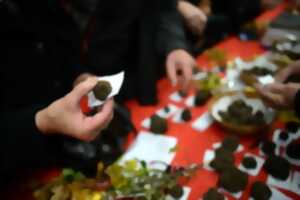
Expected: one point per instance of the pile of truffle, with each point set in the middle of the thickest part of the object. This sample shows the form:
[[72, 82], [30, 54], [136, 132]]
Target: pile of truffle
[[240, 113], [231, 178]]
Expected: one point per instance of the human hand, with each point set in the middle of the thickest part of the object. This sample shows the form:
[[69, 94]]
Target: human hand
[[292, 69], [65, 116], [195, 18], [279, 95], [179, 67]]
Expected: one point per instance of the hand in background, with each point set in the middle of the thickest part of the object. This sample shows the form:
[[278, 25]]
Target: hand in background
[[64, 116], [195, 18], [279, 95], [179, 66]]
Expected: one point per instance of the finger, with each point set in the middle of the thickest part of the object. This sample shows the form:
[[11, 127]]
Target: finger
[[187, 76], [282, 75], [276, 88], [171, 71], [99, 120], [83, 89]]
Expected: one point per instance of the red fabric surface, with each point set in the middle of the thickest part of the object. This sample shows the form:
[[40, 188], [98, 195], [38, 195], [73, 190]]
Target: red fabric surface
[[192, 144]]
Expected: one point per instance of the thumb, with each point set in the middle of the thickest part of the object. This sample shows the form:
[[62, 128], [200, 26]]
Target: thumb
[[83, 88]]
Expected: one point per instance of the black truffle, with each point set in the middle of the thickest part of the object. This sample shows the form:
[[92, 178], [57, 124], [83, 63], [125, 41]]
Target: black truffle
[[283, 136], [201, 97], [292, 127], [259, 71], [240, 113], [277, 167], [230, 143], [260, 191], [268, 148], [249, 162], [102, 90], [167, 109], [176, 192], [158, 124], [213, 194], [223, 159], [293, 150], [233, 180], [182, 93], [186, 115]]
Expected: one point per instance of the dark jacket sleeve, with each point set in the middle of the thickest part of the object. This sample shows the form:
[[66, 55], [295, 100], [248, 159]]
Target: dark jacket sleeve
[[170, 32]]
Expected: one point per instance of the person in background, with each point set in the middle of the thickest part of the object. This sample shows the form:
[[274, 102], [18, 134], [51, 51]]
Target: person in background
[[143, 38], [283, 94], [50, 49], [209, 21]]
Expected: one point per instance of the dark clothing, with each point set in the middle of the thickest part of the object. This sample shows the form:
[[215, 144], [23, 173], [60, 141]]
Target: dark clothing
[[226, 18], [42, 54]]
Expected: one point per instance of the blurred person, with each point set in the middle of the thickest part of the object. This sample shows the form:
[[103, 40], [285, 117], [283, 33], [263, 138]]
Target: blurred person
[[283, 94], [52, 48], [209, 21]]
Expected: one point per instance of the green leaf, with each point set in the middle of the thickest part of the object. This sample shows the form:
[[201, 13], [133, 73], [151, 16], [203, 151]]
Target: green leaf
[[174, 149]]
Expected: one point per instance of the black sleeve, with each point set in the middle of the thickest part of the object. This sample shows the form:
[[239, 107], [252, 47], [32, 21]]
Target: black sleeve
[[171, 33], [22, 145], [297, 104]]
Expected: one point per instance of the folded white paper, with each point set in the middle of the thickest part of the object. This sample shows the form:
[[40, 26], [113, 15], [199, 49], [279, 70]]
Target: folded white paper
[[116, 82], [253, 172], [203, 122]]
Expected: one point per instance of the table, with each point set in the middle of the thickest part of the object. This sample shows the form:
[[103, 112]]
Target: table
[[192, 144]]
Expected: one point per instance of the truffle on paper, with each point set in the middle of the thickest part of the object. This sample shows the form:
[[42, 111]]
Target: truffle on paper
[[249, 162], [260, 191], [158, 124], [233, 180], [102, 90], [268, 148], [293, 150], [277, 167], [223, 159], [186, 115]]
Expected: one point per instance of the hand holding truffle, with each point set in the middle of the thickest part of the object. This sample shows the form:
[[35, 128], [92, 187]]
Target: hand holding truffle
[[65, 116], [180, 66]]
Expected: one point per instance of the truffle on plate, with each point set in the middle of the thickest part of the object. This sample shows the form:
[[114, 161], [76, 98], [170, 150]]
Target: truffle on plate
[[277, 167], [102, 90], [158, 124], [201, 97], [260, 191], [213, 194], [240, 113], [268, 147], [233, 180], [231, 143], [249, 162], [186, 115], [293, 150]]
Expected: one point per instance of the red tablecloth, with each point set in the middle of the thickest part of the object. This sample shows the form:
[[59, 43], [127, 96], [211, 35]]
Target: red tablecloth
[[192, 144]]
